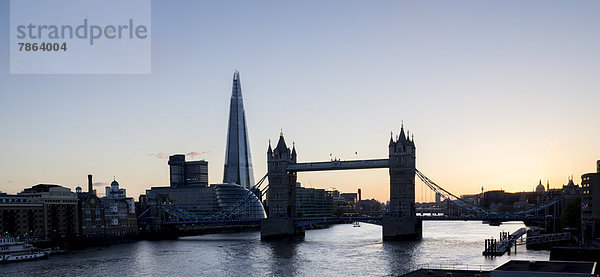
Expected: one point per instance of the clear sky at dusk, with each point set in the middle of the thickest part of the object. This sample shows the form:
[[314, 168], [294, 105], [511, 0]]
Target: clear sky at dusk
[[498, 94]]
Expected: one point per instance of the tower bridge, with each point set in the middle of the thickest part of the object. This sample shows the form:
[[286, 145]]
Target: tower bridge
[[400, 223]]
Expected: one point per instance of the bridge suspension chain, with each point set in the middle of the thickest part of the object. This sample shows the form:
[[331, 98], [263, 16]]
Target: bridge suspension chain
[[468, 206], [471, 207]]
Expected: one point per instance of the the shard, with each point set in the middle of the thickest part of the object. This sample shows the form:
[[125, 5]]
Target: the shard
[[238, 163]]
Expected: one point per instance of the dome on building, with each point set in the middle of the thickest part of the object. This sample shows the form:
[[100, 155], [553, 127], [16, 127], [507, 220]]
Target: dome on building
[[240, 202], [114, 183], [540, 188]]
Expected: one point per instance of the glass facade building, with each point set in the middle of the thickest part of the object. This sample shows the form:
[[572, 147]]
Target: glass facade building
[[228, 200], [238, 163], [187, 173], [242, 203]]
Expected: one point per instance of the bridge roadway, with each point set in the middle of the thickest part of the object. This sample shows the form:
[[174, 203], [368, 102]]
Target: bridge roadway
[[338, 165], [301, 221]]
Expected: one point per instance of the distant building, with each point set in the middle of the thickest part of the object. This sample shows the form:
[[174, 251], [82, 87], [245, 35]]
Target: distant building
[[590, 200], [197, 199], [59, 212], [344, 203], [113, 191], [187, 173], [119, 213], [471, 198], [349, 197], [201, 201], [189, 188], [540, 188], [571, 191], [311, 202], [90, 213], [590, 185], [21, 217], [500, 200], [371, 207]]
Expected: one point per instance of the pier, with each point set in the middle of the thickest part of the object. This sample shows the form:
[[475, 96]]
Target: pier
[[494, 247]]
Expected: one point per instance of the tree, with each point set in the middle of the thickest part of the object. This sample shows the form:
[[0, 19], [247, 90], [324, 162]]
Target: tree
[[571, 216]]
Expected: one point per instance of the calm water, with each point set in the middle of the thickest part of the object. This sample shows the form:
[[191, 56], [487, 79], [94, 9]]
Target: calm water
[[341, 249]]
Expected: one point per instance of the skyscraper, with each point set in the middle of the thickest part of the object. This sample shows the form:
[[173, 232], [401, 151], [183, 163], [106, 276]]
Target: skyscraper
[[238, 163], [187, 173]]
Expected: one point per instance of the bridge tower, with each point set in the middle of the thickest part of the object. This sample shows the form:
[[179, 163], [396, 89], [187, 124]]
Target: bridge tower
[[281, 204], [401, 222]]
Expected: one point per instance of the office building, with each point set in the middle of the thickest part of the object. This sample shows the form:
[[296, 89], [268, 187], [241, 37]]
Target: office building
[[590, 203], [187, 173], [238, 163], [311, 202], [197, 199], [590, 186]]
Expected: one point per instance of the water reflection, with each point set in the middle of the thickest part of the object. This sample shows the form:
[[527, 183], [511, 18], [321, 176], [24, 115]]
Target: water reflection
[[401, 255], [339, 250], [284, 256]]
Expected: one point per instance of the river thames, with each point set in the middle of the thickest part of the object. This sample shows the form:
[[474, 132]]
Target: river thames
[[338, 250]]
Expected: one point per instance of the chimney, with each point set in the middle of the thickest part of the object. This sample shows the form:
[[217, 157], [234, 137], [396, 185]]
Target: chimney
[[90, 186], [358, 203]]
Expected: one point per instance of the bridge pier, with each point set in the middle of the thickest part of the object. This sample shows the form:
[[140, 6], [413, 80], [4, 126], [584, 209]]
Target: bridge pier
[[281, 196], [279, 228], [401, 222], [402, 228]]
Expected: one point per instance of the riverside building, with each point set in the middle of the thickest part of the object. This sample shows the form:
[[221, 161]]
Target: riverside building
[[90, 213], [21, 217], [119, 213], [59, 210]]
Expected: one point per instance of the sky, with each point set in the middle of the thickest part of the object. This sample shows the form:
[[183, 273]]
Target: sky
[[498, 95]]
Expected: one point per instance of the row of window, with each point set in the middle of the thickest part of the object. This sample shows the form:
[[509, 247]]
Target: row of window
[[13, 200]]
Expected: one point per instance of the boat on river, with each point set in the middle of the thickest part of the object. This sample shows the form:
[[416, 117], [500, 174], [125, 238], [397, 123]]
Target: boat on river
[[12, 250]]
